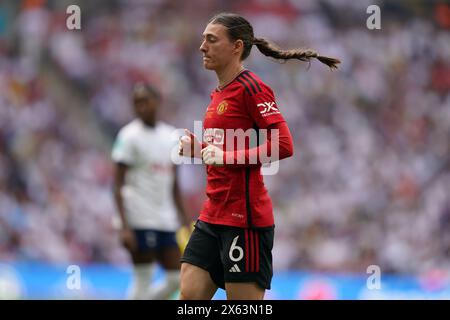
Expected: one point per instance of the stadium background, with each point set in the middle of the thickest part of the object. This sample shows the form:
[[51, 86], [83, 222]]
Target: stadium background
[[368, 185]]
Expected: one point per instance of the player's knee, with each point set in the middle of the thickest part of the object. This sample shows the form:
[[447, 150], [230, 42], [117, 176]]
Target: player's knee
[[244, 291], [188, 290]]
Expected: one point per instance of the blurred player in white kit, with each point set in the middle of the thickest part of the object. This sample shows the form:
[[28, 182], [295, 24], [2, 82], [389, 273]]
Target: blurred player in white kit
[[147, 197]]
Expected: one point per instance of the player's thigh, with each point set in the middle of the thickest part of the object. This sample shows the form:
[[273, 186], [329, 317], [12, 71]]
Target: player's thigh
[[244, 291], [196, 283], [168, 251], [146, 250], [201, 268], [143, 257], [169, 257]]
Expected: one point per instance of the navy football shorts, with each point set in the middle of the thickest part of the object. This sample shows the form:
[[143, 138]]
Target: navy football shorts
[[148, 239]]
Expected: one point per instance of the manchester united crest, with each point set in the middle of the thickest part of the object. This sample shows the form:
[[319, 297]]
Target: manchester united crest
[[222, 107]]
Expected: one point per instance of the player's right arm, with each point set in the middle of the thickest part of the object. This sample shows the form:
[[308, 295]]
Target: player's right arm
[[126, 234], [123, 155], [190, 146]]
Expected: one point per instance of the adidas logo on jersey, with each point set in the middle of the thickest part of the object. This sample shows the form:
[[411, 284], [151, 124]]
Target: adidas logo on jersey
[[235, 268]]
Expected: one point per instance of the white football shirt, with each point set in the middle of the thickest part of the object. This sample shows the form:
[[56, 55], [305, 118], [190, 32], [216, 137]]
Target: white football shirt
[[148, 189]]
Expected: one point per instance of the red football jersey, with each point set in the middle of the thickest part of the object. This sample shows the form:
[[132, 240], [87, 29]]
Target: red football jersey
[[236, 194]]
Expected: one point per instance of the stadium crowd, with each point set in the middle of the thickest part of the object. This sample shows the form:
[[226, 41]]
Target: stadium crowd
[[370, 177]]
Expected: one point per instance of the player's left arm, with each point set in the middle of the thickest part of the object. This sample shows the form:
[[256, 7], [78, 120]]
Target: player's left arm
[[265, 113], [182, 214], [278, 146]]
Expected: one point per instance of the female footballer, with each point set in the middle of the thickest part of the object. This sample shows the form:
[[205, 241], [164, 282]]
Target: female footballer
[[232, 242]]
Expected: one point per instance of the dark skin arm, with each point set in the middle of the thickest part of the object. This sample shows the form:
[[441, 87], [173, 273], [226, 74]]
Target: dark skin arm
[[126, 234], [185, 220]]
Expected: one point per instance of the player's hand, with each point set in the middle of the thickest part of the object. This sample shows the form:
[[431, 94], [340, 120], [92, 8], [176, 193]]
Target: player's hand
[[189, 145], [212, 156], [128, 239]]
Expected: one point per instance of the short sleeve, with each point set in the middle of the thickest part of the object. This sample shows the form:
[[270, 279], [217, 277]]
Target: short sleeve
[[123, 150], [263, 108]]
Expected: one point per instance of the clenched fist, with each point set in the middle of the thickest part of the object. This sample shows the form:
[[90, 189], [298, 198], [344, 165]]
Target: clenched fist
[[189, 145], [212, 155]]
